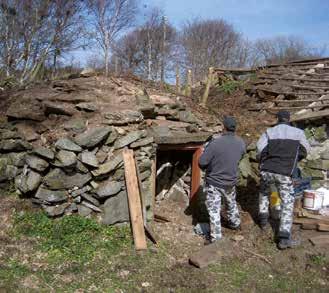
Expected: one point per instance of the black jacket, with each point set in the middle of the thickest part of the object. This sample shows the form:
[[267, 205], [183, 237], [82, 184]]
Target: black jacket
[[280, 148]]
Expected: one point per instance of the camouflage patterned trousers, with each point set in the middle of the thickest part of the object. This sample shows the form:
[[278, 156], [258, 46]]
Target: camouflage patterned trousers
[[213, 204], [286, 192]]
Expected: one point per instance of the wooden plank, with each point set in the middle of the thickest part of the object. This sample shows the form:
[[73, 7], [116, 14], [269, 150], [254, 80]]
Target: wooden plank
[[307, 226], [323, 227], [321, 240], [153, 183], [160, 218], [307, 221], [310, 116], [196, 173], [210, 254], [134, 200]]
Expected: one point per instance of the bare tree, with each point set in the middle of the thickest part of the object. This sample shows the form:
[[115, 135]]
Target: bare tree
[[32, 31], [147, 50], [207, 43], [109, 18], [282, 49]]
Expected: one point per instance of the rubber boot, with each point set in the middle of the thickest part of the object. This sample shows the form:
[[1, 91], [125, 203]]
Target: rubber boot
[[285, 243]]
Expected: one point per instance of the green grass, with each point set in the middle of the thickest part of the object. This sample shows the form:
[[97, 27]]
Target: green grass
[[230, 86]]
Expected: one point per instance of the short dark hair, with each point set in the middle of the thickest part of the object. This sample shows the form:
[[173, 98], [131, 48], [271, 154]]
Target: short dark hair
[[229, 123], [283, 116]]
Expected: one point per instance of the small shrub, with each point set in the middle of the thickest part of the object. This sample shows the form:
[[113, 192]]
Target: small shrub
[[230, 86]]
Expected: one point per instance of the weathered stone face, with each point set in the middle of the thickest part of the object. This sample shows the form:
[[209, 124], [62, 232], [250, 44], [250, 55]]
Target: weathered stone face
[[14, 145], [123, 117], [109, 166], [44, 153], [51, 196], [36, 163], [65, 159], [76, 125], [142, 142], [129, 138], [88, 107], [67, 145], [55, 211], [92, 137], [108, 188], [29, 182], [116, 209], [89, 159]]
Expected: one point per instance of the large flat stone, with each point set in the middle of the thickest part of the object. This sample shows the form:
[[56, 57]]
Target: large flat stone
[[29, 182], [57, 179], [44, 153], [89, 159], [14, 145], [65, 159], [129, 138], [116, 209], [108, 188], [58, 109], [51, 196], [36, 163], [67, 145], [26, 111], [92, 137], [123, 117], [142, 142], [55, 211], [108, 167]]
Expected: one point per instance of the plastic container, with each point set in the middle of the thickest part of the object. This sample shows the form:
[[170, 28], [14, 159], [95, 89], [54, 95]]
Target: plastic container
[[313, 200], [275, 203]]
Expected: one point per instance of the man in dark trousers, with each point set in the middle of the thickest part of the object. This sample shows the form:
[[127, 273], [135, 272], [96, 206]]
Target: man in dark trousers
[[220, 160], [279, 149]]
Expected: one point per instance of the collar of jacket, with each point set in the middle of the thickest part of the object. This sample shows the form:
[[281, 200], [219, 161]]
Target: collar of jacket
[[229, 133], [284, 123]]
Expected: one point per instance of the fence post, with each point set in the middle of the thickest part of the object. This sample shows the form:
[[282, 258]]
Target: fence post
[[208, 84], [188, 90], [177, 80]]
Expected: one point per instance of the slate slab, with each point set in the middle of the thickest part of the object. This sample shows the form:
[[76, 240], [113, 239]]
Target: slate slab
[[92, 137]]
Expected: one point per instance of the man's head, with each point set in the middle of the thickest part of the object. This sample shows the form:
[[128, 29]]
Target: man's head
[[229, 123], [283, 116]]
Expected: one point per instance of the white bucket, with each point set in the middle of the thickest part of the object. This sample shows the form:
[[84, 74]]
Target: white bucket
[[313, 199]]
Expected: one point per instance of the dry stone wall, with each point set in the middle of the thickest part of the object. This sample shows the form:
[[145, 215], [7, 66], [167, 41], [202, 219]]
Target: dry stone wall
[[83, 174]]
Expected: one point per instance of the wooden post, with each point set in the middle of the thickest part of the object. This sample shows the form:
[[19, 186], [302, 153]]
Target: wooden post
[[134, 200], [177, 80], [153, 183], [196, 173], [188, 90], [208, 84]]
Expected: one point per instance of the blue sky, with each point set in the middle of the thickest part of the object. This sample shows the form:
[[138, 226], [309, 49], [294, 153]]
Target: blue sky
[[257, 18]]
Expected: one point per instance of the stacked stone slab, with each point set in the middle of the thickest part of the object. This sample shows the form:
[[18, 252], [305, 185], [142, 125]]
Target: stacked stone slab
[[83, 173]]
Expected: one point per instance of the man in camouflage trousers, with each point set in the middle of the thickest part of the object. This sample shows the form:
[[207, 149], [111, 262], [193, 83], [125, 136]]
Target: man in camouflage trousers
[[220, 159], [279, 149]]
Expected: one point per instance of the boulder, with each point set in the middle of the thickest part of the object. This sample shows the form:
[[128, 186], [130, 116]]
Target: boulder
[[89, 159], [123, 117], [44, 153], [68, 145], [187, 116], [88, 107], [129, 138], [58, 109], [83, 210], [55, 211], [92, 137], [145, 106], [17, 159], [51, 196], [36, 163], [109, 166], [29, 182], [26, 110], [7, 172], [14, 145], [65, 159], [142, 142], [116, 209], [76, 125], [108, 188], [57, 179]]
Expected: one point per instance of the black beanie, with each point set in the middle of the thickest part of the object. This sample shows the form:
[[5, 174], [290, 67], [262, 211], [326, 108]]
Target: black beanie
[[229, 123], [283, 116]]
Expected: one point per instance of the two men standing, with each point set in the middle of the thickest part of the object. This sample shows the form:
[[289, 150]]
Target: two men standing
[[279, 150]]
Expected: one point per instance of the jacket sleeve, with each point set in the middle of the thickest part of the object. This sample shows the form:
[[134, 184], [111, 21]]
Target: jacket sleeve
[[206, 156], [262, 143], [304, 146]]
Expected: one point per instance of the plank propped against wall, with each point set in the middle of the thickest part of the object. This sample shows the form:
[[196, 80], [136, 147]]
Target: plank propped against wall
[[134, 200]]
